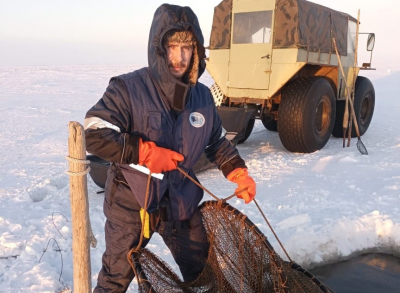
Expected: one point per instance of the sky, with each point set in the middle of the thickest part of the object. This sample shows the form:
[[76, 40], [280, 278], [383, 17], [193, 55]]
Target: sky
[[327, 206], [58, 32]]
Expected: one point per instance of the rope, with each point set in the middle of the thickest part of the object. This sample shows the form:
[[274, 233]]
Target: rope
[[269, 225], [86, 162], [82, 173], [195, 182], [70, 173], [206, 190], [93, 240], [136, 249]]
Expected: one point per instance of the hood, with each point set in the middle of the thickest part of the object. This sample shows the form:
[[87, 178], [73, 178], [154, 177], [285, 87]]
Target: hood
[[166, 18]]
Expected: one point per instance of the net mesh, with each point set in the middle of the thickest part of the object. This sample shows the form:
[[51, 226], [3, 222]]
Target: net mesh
[[361, 147], [240, 260]]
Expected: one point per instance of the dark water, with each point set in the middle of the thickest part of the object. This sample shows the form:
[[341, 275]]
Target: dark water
[[367, 273]]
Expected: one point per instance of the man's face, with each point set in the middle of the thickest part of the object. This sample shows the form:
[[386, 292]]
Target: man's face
[[178, 57]]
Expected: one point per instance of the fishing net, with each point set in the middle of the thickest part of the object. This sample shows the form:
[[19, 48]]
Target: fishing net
[[240, 260]]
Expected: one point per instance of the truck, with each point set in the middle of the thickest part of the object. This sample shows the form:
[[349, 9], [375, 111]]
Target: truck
[[275, 60]]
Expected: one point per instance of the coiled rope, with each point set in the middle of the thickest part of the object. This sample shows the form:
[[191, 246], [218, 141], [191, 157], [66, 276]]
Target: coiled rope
[[82, 173]]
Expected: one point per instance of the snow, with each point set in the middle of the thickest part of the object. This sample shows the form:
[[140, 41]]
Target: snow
[[326, 206]]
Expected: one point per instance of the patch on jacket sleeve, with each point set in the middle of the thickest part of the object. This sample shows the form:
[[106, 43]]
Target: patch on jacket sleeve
[[197, 119]]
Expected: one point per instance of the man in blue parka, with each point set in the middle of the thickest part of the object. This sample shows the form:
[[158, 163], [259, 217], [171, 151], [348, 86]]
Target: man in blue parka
[[160, 117]]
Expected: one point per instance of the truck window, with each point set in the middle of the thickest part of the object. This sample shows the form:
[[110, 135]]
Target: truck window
[[351, 37], [252, 27]]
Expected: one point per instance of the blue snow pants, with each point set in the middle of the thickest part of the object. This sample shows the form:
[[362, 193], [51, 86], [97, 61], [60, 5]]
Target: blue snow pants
[[187, 240]]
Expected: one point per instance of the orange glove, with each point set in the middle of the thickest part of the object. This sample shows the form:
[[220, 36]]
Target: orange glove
[[157, 159], [244, 181]]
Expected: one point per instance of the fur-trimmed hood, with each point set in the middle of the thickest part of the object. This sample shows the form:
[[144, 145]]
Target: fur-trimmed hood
[[166, 18]]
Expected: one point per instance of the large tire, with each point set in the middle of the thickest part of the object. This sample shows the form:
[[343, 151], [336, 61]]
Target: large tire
[[364, 105], [271, 125], [306, 114], [249, 129]]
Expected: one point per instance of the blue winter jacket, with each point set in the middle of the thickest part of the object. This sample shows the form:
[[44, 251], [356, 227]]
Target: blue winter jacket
[[152, 104]]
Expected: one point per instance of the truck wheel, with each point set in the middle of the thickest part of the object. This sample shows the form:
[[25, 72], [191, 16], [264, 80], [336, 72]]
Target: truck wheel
[[364, 104], [271, 125], [249, 129], [306, 114]]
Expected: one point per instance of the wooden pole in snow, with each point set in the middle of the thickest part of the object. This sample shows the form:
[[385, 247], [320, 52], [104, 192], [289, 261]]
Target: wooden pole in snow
[[79, 208]]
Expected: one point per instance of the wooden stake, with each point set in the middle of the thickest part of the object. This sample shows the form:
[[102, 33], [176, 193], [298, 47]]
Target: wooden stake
[[79, 209], [345, 121]]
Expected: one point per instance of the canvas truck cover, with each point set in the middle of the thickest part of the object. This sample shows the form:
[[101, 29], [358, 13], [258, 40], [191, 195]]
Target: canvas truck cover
[[221, 28], [298, 24]]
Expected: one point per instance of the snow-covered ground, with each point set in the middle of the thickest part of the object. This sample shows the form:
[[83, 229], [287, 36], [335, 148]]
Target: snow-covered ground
[[324, 206]]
